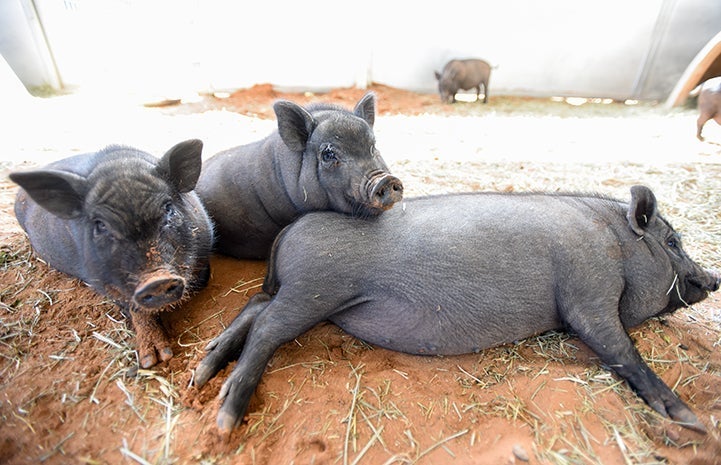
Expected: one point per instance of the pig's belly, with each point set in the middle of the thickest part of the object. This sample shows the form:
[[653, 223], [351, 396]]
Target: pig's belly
[[450, 328]]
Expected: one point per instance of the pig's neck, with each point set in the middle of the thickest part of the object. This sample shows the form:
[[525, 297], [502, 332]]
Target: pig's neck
[[297, 180]]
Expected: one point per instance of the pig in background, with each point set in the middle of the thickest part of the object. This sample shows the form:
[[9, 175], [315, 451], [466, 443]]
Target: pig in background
[[322, 157], [459, 273], [463, 75], [709, 104], [127, 224]]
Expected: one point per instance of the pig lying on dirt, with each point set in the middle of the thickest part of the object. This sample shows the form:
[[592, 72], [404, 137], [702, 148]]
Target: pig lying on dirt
[[459, 273], [127, 224], [709, 104], [463, 75], [320, 158]]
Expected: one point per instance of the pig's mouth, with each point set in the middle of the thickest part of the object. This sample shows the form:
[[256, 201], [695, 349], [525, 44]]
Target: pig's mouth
[[695, 288], [709, 285]]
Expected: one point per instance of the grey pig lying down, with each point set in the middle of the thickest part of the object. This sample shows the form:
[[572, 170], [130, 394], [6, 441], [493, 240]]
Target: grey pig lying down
[[128, 224], [459, 273]]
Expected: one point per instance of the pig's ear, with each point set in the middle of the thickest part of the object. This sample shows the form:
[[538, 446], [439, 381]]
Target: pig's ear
[[438, 75], [642, 209], [366, 108], [181, 165], [295, 124], [59, 192]]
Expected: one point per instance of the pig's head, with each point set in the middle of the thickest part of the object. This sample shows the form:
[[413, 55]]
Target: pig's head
[[446, 87], [690, 283], [144, 237], [341, 146]]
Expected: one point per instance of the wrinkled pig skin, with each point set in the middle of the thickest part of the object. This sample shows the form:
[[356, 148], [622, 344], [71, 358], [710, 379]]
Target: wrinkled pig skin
[[460, 273], [129, 225], [322, 157]]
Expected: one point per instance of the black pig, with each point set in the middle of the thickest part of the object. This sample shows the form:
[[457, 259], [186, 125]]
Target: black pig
[[709, 104], [127, 224], [463, 75], [459, 273], [320, 158]]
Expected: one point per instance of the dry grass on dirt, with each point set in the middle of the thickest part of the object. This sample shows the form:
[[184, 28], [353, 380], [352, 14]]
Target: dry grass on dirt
[[71, 392]]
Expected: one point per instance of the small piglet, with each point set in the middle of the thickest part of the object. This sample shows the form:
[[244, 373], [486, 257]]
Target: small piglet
[[709, 104], [460, 273], [322, 157], [127, 224], [463, 75]]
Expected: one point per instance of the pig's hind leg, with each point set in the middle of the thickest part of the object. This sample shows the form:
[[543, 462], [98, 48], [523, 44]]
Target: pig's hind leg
[[702, 119], [229, 344], [707, 112], [601, 329], [282, 320]]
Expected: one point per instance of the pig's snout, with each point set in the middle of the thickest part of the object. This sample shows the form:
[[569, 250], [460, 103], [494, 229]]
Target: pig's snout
[[385, 190], [715, 276], [708, 281], [158, 290]]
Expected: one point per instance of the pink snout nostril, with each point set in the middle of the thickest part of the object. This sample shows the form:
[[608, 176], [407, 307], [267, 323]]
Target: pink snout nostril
[[159, 290], [387, 191]]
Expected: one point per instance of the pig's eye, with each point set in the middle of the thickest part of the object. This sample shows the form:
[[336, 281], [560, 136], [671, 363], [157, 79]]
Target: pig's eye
[[169, 210], [327, 155], [99, 228], [673, 243]]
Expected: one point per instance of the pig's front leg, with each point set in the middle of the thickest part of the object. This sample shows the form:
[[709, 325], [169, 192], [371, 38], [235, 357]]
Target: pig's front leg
[[151, 339], [229, 344], [602, 331], [279, 321]]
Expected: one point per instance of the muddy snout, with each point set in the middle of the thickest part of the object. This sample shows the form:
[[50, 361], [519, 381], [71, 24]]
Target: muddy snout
[[158, 289], [385, 190]]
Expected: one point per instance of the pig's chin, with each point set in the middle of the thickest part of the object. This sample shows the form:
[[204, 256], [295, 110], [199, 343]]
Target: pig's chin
[[359, 208], [154, 309], [367, 210]]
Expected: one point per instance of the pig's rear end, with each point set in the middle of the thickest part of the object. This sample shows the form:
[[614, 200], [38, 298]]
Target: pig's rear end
[[709, 104]]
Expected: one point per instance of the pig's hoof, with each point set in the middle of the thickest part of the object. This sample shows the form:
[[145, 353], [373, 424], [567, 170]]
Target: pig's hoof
[[693, 424], [207, 368], [226, 422], [149, 359], [686, 418], [211, 345], [166, 354], [202, 374]]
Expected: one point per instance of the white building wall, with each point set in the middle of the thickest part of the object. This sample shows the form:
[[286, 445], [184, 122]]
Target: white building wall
[[554, 47]]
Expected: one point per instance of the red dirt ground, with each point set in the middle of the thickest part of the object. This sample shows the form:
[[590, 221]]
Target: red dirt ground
[[70, 390]]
